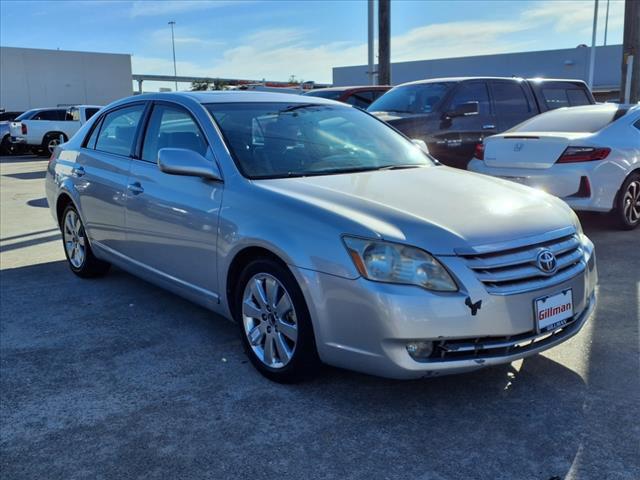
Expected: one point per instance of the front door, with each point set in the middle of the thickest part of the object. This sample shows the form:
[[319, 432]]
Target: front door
[[171, 220], [457, 137]]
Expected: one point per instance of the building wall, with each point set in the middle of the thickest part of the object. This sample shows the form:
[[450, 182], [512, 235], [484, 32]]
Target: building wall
[[31, 78], [566, 63]]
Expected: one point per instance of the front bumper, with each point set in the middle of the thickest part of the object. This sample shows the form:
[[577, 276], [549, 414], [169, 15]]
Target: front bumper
[[365, 326], [566, 181]]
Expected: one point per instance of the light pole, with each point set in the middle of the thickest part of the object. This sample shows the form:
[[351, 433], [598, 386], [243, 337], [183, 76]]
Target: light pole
[[173, 46], [592, 56]]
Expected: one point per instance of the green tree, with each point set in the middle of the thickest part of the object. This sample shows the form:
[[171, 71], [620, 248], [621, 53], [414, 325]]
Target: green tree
[[200, 85]]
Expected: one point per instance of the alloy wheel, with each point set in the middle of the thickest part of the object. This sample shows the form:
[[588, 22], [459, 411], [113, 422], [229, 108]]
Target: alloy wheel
[[631, 202], [269, 320], [53, 143], [74, 239]]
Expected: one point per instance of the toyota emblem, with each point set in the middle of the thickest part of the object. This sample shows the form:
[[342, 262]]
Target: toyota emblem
[[546, 262]]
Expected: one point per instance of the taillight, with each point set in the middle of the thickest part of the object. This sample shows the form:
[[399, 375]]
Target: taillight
[[479, 151], [583, 154], [24, 129]]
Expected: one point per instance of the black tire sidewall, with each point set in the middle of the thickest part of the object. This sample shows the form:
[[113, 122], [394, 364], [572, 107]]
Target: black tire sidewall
[[304, 361], [621, 219]]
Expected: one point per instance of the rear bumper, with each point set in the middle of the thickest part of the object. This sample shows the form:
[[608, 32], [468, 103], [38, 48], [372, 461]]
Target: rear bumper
[[18, 140], [564, 181]]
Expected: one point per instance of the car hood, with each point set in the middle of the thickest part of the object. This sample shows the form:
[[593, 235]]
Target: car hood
[[438, 208]]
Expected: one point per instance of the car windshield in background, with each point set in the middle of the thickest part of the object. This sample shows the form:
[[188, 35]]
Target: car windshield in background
[[416, 98], [572, 120], [330, 94], [274, 140]]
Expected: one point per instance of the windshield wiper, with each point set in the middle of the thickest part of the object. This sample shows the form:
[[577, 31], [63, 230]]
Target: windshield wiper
[[296, 107], [400, 166]]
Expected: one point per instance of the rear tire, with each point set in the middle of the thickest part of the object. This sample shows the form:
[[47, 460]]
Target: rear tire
[[627, 209], [274, 322], [50, 142], [76, 246]]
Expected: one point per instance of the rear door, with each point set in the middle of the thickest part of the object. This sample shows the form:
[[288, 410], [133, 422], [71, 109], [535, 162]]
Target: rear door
[[456, 137], [101, 173], [513, 103], [172, 220]]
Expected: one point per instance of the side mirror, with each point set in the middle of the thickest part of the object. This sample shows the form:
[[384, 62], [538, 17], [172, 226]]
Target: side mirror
[[421, 145], [464, 109], [181, 161]]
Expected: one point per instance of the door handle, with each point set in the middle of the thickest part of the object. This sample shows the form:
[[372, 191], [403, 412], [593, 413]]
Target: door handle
[[135, 188], [488, 126], [77, 171]]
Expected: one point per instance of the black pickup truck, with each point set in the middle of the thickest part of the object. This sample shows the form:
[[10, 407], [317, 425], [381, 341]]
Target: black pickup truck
[[453, 115]]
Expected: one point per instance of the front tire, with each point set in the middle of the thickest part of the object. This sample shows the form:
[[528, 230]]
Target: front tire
[[275, 324], [79, 255], [627, 211]]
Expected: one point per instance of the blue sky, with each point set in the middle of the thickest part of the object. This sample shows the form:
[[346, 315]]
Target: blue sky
[[276, 39]]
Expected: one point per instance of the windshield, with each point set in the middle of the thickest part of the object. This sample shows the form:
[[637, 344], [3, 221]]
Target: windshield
[[26, 115], [330, 94], [576, 119], [416, 98], [274, 140]]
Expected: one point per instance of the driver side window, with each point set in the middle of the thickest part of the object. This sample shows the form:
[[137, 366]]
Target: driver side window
[[472, 92]]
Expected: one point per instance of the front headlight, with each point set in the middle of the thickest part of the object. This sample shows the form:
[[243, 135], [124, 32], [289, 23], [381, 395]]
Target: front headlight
[[395, 263]]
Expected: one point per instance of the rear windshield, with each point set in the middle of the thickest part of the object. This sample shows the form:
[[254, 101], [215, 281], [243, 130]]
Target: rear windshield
[[416, 98], [330, 94], [564, 97], [572, 120]]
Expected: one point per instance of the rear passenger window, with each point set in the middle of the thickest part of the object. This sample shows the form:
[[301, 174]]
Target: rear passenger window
[[50, 115], [472, 92], [577, 97], [509, 98], [118, 130], [171, 127]]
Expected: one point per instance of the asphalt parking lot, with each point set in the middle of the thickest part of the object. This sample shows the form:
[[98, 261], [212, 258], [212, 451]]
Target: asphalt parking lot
[[115, 378]]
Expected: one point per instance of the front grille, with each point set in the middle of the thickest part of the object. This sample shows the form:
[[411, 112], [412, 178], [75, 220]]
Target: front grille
[[514, 270]]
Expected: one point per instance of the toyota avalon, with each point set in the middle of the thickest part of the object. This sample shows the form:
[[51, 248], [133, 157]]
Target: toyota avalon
[[323, 232]]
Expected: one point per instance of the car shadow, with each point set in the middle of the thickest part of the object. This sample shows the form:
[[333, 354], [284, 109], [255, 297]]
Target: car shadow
[[39, 203], [117, 359], [27, 175]]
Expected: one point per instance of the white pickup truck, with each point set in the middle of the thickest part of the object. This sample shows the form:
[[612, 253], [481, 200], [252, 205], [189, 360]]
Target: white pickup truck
[[42, 129]]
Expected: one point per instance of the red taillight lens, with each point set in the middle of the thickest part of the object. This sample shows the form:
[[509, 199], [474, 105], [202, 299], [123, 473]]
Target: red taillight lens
[[583, 154], [24, 129], [479, 151]]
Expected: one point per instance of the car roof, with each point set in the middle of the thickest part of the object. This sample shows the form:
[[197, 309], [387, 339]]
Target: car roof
[[515, 79], [234, 96], [597, 107], [354, 87]]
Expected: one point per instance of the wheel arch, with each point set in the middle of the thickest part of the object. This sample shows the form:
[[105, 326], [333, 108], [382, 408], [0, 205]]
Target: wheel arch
[[54, 133]]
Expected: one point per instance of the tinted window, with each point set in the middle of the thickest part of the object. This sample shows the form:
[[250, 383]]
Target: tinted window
[[286, 140], [50, 115], [26, 115], [91, 141], [415, 98], [171, 127], [578, 119], [637, 124], [8, 116], [472, 92], [90, 112], [509, 98], [360, 99], [330, 94], [119, 129], [577, 97]]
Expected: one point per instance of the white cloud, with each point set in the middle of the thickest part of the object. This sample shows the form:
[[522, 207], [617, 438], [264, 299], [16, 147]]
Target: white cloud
[[153, 8]]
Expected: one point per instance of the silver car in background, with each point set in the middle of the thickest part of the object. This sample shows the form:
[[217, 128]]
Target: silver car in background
[[328, 236]]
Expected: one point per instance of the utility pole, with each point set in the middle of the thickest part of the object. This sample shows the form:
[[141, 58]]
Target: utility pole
[[606, 24], [173, 46], [384, 42], [592, 57], [630, 81], [370, 71]]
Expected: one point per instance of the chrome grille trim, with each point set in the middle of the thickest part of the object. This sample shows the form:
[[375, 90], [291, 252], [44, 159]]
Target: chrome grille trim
[[514, 270]]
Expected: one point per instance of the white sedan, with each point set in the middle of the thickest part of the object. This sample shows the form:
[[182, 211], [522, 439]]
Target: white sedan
[[589, 156]]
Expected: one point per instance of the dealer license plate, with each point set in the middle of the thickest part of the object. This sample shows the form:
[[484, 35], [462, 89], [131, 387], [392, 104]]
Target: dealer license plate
[[553, 311]]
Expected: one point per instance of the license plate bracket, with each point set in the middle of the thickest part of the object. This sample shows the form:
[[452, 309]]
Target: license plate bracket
[[553, 311]]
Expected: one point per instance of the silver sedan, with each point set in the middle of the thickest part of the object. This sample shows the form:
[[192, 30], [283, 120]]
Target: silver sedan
[[325, 234]]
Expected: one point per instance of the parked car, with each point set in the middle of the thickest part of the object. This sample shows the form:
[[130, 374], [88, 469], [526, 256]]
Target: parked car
[[42, 129], [360, 97], [323, 232], [453, 114], [589, 156], [5, 133]]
